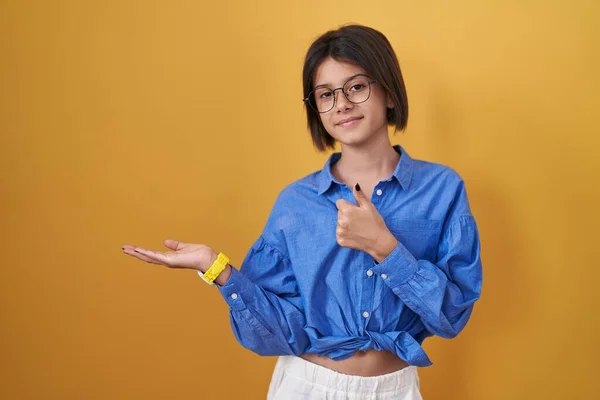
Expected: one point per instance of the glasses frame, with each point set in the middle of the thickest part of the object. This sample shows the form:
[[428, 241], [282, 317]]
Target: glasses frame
[[369, 81]]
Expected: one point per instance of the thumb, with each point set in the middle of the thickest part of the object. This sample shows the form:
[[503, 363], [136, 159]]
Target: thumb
[[360, 196], [174, 244]]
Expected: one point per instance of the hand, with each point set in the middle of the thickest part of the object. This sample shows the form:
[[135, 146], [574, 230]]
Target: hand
[[361, 227], [184, 255]]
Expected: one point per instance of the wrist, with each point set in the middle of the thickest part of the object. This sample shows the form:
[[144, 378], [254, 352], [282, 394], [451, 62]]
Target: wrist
[[383, 246], [212, 257], [219, 270], [224, 276]]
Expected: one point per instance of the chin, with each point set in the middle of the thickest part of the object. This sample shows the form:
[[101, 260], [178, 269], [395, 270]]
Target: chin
[[357, 137]]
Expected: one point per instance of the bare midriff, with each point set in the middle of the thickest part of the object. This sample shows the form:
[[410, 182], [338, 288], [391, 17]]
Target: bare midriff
[[362, 363]]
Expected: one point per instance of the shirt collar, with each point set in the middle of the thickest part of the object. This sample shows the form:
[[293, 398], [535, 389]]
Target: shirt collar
[[403, 171]]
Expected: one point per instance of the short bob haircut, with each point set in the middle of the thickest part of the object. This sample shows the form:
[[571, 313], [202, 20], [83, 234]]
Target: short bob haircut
[[366, 48]]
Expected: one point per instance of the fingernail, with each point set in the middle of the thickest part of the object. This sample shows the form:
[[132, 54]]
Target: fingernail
[[357, 187]]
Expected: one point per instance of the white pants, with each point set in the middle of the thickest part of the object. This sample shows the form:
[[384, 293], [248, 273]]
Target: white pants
[[295, 378]]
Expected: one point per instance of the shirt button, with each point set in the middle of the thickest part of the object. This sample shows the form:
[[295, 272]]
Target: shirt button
[[234, 296], [379, 192], [365, 314], [369, 273], [383, 276]]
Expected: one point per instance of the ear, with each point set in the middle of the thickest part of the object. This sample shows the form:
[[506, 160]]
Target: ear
[[390, 103]]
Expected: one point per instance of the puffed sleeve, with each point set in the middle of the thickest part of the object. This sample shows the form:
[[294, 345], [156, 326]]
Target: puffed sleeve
[[441, 293], [266, 309]]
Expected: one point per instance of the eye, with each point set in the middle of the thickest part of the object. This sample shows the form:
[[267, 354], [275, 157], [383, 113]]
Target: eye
[[325, 95], [357, 87]]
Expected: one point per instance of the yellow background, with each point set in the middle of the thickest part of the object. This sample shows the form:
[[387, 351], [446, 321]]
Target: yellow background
[[135, 121]]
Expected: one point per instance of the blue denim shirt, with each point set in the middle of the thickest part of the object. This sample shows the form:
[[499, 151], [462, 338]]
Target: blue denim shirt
[[298, 291]]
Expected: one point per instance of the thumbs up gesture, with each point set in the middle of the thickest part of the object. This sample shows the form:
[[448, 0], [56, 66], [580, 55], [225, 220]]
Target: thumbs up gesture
[[361, 227]]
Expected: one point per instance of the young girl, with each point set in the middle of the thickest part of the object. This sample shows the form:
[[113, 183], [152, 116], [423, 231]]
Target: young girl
[[359, 262]]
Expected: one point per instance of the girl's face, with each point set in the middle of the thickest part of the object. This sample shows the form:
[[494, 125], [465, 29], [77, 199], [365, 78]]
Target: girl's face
[[348, 123]]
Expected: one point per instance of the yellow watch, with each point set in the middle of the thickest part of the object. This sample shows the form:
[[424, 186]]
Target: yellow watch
[[215, 269]]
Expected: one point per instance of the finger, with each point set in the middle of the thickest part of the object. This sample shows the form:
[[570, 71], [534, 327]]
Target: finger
[[341, 240], [360, 196], [344, 218], [129, 251], [342, 204], [154, 255], [174, 244]]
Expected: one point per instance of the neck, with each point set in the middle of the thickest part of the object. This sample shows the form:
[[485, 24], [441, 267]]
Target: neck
[[375, 160]]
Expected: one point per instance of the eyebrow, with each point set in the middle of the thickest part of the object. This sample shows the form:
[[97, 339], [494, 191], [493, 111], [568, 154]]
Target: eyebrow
[[328, 85]]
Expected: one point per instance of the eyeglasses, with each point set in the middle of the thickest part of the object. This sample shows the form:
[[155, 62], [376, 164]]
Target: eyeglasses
[[357, 90]]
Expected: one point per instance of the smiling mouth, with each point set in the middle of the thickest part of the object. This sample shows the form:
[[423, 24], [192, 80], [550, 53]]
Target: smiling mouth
[[349, 121]]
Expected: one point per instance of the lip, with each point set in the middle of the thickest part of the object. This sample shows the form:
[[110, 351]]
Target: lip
[[349, 121]]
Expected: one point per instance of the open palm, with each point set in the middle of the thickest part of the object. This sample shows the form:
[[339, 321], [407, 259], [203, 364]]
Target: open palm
[[181, 255]]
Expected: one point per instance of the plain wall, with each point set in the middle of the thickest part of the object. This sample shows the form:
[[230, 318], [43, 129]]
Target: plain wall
[[136, 121]]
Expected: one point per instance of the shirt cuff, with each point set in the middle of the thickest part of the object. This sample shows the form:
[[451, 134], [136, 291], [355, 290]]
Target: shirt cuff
[[398, 267], [235, 289]]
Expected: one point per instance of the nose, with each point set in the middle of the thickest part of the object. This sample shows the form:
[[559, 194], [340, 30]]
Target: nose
[[341, 102]]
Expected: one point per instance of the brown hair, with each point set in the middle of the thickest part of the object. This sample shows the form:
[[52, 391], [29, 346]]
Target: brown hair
[[364, 47]]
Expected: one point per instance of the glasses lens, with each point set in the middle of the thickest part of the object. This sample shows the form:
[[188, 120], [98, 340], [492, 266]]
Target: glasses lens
[[357, 89], [322, 99]]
